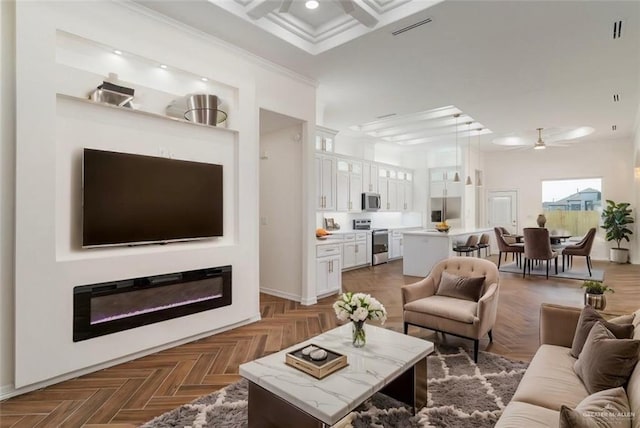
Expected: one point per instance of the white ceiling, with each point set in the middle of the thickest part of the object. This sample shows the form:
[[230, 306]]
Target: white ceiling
[[333, 23], [513, 66]]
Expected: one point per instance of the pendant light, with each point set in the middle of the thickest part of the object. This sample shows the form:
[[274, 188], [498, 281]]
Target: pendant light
[[539, 145], [456, 177], [469, 182]]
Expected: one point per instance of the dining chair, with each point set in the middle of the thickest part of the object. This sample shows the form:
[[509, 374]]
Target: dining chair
[[484, 243], [582, 248], [508, 237], [515, 249], [469, 247], [537, 246]]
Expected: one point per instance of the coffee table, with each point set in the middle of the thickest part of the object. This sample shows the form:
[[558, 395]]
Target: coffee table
[[390, 362]]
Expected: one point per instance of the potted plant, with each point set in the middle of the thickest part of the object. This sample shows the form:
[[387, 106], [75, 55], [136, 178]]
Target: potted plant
[[617, 216], [594, 294]]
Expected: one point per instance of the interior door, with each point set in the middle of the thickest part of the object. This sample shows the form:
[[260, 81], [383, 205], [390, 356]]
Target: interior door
[[502, 209]]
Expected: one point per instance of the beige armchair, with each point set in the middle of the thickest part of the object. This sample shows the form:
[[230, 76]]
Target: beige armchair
[[422, 307]]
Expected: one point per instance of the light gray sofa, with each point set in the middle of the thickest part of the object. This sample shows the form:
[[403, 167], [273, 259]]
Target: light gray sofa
[[550, 381]]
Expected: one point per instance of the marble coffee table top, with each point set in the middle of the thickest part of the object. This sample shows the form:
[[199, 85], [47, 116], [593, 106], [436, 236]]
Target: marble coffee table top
[[386, 355]]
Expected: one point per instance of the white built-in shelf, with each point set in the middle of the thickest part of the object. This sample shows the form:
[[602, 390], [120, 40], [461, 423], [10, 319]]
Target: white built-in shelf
[[144, 113]]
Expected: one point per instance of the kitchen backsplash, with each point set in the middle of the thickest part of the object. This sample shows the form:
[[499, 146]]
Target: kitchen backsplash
[[378, 219]]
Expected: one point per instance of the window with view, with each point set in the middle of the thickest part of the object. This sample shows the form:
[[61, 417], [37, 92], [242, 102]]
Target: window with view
[[572, 206]]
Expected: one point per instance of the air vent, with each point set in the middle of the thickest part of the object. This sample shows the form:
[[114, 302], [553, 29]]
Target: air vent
[[384, 116], [616, 98], [412, 26], [614, 127], [617, 30]]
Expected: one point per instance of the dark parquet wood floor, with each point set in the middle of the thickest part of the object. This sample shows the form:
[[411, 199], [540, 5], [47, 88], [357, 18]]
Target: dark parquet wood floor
[[132, 393]]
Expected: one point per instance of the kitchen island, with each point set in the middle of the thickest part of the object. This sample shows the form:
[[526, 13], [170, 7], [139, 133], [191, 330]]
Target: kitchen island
[[424, 248]]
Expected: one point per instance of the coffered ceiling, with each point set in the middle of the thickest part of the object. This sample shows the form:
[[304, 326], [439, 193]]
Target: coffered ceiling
[[512, 66], [331, 23]]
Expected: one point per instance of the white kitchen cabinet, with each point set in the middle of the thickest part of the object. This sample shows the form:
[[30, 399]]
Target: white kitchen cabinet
[[441, 183], [328, 270], [369, 177], [361, 248], [369, 248], [325, 182], [405, 191], [349, 251], [348, 185], [388, 189], [354, 250], [325, 139], [395, 247]]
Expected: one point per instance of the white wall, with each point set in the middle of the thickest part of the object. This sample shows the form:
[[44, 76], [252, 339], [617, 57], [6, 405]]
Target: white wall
[[48, 265], [281, 213], [7, 186], [524, 171]]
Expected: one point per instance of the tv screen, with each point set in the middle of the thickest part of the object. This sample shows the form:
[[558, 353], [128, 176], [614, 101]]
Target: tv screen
[[132, 199]]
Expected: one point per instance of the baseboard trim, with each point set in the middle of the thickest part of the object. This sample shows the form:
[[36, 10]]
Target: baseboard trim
[[8, 391], [279, 293], [309, 301]]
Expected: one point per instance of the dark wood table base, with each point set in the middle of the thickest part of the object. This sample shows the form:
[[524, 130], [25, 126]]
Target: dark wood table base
[[267, 410]]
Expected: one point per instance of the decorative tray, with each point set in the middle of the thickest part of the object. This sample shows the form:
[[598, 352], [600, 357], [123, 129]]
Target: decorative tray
[[316, 368]]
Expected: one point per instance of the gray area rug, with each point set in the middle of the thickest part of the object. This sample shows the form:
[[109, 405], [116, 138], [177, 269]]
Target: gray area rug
[[460, 394], [541, 270]]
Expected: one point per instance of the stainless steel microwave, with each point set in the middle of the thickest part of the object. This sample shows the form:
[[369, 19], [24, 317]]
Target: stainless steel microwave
[[371, 201]]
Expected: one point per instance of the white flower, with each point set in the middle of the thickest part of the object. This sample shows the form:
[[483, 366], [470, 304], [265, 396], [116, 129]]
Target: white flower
[[359, 307], [360, 314]]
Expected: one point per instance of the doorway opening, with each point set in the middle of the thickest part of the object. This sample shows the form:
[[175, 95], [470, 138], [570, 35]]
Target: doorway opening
[[281, 204]]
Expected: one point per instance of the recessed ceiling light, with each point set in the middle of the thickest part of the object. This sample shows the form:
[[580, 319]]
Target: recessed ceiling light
[[117, 52], [312, 4], [163, 66], [204, 79]]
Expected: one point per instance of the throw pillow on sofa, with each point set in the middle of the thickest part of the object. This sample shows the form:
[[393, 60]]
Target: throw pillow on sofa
[[608, 408], [460, 287], [588, 317], [606, 362]]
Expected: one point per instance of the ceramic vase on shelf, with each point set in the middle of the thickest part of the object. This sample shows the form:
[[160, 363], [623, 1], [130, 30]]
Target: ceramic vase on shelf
[[359, 335], [541, 220], [597, 301]]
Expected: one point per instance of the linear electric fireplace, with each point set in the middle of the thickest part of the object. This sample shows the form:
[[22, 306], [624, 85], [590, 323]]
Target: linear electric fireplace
[[108, 307]]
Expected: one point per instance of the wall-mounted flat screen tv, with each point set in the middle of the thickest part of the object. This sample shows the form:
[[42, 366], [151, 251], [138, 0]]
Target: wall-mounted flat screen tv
[[132, 199]]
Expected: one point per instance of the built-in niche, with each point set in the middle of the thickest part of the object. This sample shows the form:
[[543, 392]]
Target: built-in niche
[[109, 307]]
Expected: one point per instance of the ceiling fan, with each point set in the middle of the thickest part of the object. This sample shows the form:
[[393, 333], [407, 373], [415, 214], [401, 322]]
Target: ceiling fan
[[539, 145], [549, 137]]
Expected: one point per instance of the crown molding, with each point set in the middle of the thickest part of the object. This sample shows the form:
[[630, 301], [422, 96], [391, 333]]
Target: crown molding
[[208, 38]]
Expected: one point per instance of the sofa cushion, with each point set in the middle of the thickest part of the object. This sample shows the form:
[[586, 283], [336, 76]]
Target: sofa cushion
[[550, 380], [460, 287], [622, 319], [604, 409], [588, 317], [606, 362], [633, 387], [445, 307], [519, 415]]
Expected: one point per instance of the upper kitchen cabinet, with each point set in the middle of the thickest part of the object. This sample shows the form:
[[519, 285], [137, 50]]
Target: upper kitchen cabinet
[[405, 191], [388, 188], [441, 183], [325, 182], [369, 177], [325, 139], [349, 185]]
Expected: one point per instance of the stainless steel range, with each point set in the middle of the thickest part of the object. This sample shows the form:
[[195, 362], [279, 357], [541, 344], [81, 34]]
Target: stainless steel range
[[379, 241]]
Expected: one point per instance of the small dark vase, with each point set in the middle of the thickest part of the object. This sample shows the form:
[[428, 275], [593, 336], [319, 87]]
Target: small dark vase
[[541, 220]]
